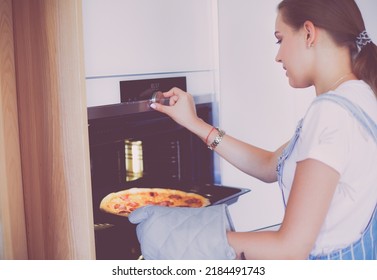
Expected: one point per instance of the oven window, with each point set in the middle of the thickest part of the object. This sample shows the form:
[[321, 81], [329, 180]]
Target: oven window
[[154, 159], [133, 153]]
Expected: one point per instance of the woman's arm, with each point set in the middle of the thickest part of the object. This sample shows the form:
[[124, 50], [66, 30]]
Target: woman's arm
[[312, 191], [252, 160]]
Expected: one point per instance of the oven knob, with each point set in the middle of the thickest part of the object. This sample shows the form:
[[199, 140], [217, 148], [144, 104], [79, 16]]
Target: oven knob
[[158, 97]]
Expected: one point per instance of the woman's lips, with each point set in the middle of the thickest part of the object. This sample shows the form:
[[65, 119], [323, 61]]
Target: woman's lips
[[286, 71]]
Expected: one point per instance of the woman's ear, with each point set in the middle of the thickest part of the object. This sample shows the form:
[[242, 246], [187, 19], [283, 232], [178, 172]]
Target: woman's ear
[[310, 33]]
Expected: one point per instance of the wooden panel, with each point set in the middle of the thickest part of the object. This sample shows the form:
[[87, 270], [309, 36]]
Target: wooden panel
[[53, 126], [12, 219]]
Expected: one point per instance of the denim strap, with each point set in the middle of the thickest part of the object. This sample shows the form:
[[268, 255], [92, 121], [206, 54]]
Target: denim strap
[[365, 247]]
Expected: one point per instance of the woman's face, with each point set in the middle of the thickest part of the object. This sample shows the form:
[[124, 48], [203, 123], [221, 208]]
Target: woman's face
[[293, 53]]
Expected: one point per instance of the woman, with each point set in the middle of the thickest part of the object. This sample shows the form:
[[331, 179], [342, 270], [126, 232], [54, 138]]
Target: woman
[[327, 172]]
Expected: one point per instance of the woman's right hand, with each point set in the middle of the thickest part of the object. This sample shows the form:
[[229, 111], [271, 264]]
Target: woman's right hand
[[252, 160], [181, 108]]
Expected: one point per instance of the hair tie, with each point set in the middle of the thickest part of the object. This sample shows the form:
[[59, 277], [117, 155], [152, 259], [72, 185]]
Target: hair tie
[[363, 39]]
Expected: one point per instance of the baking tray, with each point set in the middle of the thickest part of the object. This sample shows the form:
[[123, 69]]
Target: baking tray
[[116, 237], [216, 194]]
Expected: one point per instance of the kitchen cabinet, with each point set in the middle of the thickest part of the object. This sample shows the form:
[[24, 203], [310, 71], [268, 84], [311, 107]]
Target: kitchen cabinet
[[135, 37], [127, 39], [48, 213], [12, 219]]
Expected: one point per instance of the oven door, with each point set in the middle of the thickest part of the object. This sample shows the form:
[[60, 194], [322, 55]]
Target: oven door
[[146, 149]]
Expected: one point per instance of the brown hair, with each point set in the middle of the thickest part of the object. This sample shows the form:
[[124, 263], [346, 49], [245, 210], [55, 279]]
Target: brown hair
[[342, 19]]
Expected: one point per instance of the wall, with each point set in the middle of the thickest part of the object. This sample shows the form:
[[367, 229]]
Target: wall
[[256, 103]]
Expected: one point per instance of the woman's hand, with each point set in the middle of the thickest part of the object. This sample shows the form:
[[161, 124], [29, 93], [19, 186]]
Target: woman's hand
[[171, 233], [252, 160], [181, 108]]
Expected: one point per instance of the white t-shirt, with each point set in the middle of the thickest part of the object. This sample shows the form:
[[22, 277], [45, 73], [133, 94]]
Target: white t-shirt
[[330, 134]]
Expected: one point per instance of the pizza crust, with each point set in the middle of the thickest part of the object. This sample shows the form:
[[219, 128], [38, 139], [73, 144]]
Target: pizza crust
[[122, 203]]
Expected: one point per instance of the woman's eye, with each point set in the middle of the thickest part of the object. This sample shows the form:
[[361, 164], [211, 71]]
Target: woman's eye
[[279, 42]]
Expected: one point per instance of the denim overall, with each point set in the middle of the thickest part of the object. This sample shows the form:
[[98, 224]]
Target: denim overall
[[366, 247]]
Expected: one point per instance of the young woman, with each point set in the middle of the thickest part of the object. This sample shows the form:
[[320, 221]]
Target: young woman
[[327, 172]]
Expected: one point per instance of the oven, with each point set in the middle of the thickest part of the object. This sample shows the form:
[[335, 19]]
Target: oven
[[132, 145]]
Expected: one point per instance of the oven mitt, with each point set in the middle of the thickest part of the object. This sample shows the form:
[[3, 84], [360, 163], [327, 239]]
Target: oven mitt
[[183, 233]]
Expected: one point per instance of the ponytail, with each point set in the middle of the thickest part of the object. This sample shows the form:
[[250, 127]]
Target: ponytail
[[344, 22], [365, 65]]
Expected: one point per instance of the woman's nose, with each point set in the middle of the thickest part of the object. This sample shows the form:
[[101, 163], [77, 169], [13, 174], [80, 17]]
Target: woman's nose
[[277, 58]]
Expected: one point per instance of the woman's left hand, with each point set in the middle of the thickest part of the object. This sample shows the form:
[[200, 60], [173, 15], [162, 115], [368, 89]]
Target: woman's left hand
[[183, 233]]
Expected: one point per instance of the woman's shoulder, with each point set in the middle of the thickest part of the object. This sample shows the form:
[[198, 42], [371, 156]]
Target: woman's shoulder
[[361, 94], [356, 91]]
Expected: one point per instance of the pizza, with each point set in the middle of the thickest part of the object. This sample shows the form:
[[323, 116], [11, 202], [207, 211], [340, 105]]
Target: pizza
[[123, 202]]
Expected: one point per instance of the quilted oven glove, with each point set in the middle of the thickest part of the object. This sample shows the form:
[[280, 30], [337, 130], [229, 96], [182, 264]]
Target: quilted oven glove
[[183, 233]]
